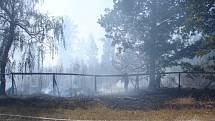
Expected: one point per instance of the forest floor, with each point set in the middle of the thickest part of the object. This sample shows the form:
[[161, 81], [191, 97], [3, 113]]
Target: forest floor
[[159, 105]]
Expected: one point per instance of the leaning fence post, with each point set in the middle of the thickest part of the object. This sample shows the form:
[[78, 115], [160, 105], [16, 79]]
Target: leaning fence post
[[179, 80], [55, 86], [95, 82]]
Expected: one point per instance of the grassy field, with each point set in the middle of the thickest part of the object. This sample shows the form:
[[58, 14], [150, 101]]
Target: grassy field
[[147, 107], [103, 113]]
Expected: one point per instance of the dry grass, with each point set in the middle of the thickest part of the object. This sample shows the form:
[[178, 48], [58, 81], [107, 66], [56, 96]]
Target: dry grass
[[103, 113], [183, 101], [149, 106]]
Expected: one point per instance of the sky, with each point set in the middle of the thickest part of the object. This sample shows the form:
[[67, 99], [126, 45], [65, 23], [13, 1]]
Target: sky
[[83, 13]]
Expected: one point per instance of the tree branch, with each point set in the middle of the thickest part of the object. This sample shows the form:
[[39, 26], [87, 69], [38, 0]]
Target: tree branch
[[31, 34], [5, 9], [4, 17]]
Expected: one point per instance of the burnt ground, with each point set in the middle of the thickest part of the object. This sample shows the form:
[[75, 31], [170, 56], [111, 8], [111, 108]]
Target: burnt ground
[[174, 99], [163, 99], [144, 100]]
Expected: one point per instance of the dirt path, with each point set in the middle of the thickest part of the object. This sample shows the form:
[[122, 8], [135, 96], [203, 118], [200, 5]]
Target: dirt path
[[32, 118]]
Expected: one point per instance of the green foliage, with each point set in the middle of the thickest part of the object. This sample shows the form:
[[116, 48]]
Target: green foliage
[[146, 27], [200, 19], [34, 32], [162, 31], [25, 29]]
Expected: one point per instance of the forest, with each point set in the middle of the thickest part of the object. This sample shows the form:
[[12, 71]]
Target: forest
[[136, 50]]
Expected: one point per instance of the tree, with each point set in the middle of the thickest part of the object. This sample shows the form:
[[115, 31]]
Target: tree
[[106, 65], [128, 62], [91, 51], [148, 27], [24, 27], [199, 29], [200, 19]]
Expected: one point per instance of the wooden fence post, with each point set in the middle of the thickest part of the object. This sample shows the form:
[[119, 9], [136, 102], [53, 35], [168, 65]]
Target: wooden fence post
[[55, 86], [95, 82], [137, 83], [13, 84], [179, 80]]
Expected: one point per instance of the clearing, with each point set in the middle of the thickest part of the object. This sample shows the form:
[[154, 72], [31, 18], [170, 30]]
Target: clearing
[[162, 105]]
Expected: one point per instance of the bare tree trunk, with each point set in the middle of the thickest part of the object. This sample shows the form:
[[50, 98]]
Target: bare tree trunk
[[154, 83], [2, 78], [5, 48]]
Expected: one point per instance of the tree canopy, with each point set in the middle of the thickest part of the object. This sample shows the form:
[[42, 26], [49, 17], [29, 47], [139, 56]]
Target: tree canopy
[[164, 32], [148, 28], [25, 28]]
